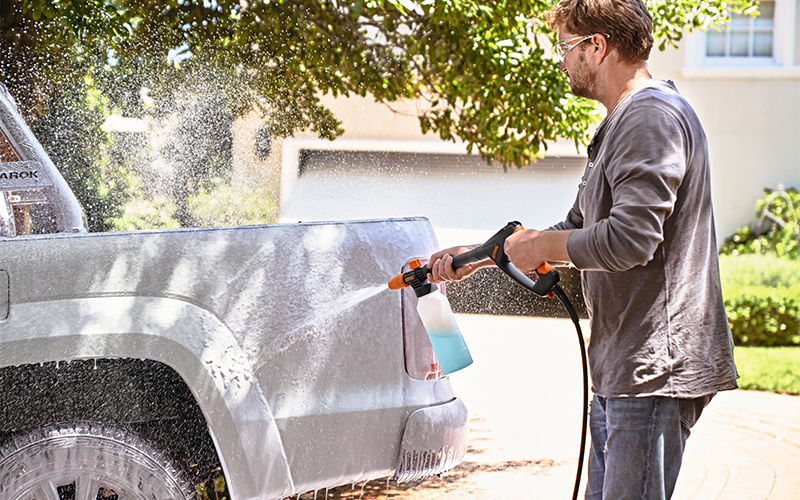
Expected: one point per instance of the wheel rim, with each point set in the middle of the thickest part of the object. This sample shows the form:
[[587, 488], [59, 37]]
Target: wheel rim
[[75, 486], [97, 463], [81, 488]]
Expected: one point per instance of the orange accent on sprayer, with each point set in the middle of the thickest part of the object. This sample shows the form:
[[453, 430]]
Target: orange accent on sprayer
[[544, 268], [397, 282]]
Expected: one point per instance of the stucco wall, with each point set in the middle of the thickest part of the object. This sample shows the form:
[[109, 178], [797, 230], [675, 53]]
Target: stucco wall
[[752, 133], [362, 117], [797, 38], [247, 166]]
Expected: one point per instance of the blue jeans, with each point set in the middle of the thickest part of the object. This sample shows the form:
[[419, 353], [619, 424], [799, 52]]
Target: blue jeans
[[637, 445]]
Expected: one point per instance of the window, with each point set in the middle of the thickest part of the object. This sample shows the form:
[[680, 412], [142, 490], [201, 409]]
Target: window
[[745, 36], [760, 47]]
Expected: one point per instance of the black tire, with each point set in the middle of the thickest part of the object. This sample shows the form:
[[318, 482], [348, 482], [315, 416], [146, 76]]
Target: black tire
[[87, 461]]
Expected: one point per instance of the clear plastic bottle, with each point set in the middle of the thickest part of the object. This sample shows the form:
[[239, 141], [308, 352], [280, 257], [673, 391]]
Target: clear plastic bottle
[[440, 322]]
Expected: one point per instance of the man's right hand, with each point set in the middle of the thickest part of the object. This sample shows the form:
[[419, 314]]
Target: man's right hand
[[441, 265]]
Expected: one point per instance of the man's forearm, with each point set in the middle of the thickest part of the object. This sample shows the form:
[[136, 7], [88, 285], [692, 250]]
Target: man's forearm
[[555, 246]]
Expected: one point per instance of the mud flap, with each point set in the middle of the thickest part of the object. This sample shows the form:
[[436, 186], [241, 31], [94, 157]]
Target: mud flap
[[434, 441]]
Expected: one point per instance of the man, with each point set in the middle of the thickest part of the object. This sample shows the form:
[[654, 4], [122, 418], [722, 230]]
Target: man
[[641, 231]]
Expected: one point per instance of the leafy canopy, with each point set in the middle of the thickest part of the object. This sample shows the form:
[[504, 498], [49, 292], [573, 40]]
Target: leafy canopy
[[483, 67]]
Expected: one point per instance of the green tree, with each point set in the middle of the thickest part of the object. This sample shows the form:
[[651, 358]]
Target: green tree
[[70, 132], [483, 67]]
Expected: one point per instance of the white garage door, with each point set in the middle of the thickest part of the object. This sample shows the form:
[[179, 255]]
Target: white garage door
[[462, 195]]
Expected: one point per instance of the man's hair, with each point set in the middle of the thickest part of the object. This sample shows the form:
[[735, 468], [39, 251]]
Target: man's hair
[[627, 22]]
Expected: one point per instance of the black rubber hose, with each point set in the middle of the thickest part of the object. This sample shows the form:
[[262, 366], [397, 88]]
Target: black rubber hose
[[585, 409]]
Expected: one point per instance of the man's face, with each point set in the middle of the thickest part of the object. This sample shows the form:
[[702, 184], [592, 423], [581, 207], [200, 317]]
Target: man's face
[[582, 75]]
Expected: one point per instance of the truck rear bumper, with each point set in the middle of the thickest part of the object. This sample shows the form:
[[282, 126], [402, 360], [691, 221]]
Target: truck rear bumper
[[435, 440]]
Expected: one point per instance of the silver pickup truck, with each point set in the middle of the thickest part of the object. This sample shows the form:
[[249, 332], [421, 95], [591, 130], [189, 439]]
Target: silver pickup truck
[[134, 364]]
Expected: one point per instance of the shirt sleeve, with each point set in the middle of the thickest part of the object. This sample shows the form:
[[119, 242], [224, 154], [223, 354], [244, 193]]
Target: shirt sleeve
[[644, 172]]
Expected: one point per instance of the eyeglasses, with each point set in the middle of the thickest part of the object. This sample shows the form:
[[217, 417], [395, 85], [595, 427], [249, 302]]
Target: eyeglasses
[[562, 48]]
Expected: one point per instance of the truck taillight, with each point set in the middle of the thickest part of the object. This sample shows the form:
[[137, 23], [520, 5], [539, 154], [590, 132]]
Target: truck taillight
[[421, 362]]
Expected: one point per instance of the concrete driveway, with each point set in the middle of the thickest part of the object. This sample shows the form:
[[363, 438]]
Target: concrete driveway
[[524, 396]]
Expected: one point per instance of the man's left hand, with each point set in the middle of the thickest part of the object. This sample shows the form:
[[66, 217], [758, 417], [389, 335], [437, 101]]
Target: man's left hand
[[528, 249], [523, 250]]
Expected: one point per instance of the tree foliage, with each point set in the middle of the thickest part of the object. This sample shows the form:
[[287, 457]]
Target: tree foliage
[[71, 132], [483, 67]]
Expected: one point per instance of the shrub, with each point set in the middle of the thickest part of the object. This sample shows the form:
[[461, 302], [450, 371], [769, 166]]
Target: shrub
[[764, 316], [140, 214], [762, 299], [776, 231], [70, 132], [231, 205], [760, 274]]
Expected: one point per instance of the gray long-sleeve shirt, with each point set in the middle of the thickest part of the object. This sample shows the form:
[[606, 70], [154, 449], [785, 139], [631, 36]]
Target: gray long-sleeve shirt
[[645, 243]]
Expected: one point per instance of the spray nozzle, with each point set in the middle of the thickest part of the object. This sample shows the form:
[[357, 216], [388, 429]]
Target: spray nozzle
[[416, 278], [547, 277]]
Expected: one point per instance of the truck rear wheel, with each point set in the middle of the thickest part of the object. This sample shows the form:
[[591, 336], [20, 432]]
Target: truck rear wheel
[[87, 461]]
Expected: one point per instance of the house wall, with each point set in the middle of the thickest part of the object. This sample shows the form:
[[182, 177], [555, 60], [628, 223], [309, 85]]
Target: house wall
[[750, 119], [797, 38], [362, 117], [247, 166]]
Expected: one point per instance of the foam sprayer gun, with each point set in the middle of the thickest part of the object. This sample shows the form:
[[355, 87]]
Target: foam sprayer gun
[[434, 310], [446, 339], [493, 249]]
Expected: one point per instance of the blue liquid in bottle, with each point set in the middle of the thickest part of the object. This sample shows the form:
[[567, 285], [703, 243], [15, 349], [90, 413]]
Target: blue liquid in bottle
[[440, 323], [451, 350]]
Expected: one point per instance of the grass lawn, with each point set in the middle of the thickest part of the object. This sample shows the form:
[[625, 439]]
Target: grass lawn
[[775, 369]]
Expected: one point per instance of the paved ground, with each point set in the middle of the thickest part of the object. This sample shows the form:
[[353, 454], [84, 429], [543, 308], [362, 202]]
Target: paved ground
[[523, 394]]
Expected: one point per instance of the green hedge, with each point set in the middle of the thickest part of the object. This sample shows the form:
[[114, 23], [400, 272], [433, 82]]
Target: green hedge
[[220, 204], [764, 316], [762, 299]]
